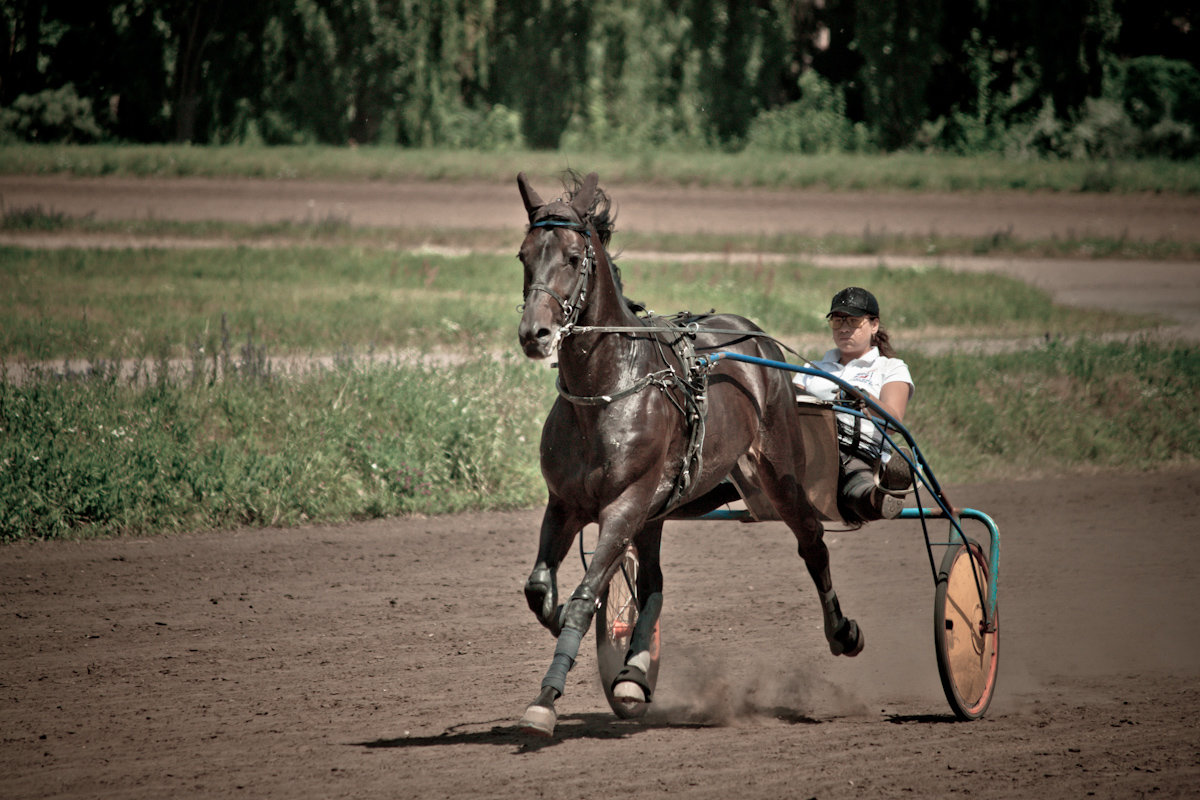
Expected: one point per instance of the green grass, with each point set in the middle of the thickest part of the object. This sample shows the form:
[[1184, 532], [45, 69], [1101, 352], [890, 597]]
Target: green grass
[[145, 303], [103, 456], [1057, 409], [896, 172], [205, 430], [136, 302]]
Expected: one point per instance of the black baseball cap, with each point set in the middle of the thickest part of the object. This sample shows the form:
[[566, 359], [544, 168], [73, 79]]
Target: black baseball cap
[[854, 301]]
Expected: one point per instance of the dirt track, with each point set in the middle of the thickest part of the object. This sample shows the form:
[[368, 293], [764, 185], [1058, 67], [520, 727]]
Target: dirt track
[[392, 659], [641, 208]]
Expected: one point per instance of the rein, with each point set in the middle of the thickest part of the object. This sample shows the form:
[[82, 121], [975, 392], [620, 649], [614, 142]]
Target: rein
[[692, 386], [691, 329]]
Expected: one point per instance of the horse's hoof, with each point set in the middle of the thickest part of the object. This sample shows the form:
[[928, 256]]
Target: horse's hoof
[[538, 721], [629, 694], [631, 686], [848, 640]]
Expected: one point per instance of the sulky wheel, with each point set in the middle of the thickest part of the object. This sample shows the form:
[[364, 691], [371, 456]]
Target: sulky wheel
[[967, 655], [615, 618]]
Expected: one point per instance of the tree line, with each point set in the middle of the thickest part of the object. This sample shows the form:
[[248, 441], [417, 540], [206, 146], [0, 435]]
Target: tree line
[[1110, 78]]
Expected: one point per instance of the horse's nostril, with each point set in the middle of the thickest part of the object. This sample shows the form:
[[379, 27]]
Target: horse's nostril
[[543, 333]]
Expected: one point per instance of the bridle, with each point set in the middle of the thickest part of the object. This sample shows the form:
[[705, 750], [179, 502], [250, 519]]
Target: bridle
[[690, 382], [572, 305]]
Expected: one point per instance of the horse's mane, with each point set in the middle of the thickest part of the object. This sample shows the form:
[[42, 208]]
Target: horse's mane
[[601, 212], [604, 220]]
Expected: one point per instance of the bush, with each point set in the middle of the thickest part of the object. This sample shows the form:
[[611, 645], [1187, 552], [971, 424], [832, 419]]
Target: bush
[[53, 115], [1042, 134], [1103, 130], [497, 128], [1171, 139], [816, 123], [1153, 89]]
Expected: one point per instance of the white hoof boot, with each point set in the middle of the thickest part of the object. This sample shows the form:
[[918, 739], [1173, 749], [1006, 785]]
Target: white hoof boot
[[539, 721], [628, 693]]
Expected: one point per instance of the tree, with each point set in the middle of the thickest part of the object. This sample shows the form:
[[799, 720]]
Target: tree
[[541, 64], [898, 42]]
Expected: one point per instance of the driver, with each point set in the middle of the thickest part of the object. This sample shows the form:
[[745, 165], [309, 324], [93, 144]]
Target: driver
[[863, 357]]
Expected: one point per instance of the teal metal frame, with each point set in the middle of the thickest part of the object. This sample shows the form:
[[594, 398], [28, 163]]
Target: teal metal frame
[[917, 464]]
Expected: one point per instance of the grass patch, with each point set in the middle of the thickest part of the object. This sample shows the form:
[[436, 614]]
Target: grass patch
[[838, 172], [102, 456], [1062, 408], [203, 432], [335, 232], [83, 302], [34, 218], [300, 301]]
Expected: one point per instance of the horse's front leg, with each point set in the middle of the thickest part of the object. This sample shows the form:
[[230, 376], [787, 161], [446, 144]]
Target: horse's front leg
[[559, 527], [632, 684], [616, 532]]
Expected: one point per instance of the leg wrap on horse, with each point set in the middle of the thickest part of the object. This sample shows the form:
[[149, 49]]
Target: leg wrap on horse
[[831, 609], [579, 612], [643, 631], [580, 609], [564, 658]]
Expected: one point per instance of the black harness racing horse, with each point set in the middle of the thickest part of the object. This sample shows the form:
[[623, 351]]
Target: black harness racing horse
[[641, 429]]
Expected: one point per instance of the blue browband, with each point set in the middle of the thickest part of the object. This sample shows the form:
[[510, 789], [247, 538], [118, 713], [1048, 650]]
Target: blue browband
[[562, 223]]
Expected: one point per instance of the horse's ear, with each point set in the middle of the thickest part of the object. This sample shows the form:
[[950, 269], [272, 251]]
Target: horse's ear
[[582, 200], [531, 199]]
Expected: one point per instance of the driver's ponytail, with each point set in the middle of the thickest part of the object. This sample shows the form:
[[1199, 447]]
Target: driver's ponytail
[[883, 342]]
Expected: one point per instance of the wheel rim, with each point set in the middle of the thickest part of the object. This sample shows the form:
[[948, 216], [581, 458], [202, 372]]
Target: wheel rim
[[968, 655], [615, 620]]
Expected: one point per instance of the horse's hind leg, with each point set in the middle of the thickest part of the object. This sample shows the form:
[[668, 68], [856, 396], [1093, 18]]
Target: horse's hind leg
[[843, 634], [632, 686]]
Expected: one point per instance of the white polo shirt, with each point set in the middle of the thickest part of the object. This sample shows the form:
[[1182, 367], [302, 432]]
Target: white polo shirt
[[868, 374]]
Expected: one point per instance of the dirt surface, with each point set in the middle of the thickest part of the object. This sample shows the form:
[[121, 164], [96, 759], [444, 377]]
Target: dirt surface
[[640, 208], [393, 658]]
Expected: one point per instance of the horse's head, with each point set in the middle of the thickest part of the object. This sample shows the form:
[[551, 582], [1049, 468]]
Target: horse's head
[[559, 256]]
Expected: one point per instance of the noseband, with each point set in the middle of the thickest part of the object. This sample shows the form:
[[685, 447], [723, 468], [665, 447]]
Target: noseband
[[572, 305]]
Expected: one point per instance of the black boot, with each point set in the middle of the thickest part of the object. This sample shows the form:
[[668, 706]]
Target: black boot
[[865, 502], [895, 475]]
